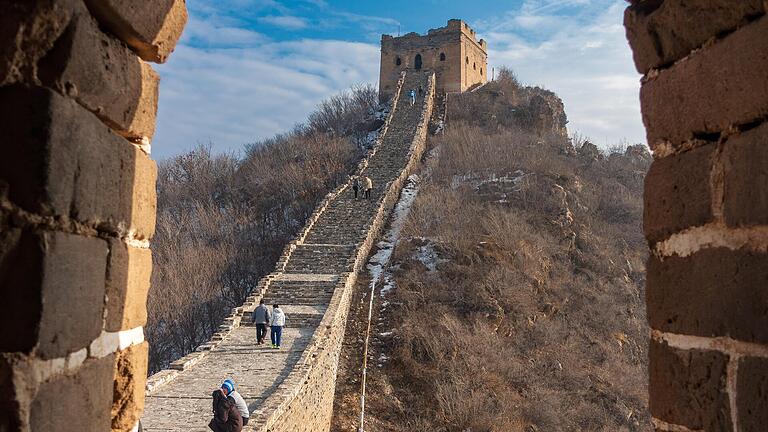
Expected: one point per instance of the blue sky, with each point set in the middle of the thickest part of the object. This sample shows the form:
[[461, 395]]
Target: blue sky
[[248, 69]]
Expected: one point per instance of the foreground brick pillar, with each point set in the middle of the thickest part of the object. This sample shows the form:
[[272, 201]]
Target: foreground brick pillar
[[77, 207], [704, 100]]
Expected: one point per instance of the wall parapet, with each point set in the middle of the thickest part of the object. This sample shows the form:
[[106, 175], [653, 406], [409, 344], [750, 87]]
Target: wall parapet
[[319, 362], [704, 97], [77, 210]]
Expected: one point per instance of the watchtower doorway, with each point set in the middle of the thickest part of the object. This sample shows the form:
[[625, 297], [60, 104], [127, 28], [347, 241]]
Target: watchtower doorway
[[417, 62]]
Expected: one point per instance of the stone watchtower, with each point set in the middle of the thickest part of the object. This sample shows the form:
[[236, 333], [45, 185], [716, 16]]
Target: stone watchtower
[[453, 52]]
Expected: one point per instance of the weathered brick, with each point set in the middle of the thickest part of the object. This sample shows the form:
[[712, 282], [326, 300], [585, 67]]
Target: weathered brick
[[752, 394], [688, 387], [663, 32], [150, 27], [19, 267], [104, 76], [745, 163], [714, 292], [53, 287], [72, 292], [677, 193], [28, 29], [10, 419], [143, 194], [128, 276], [129, 381], [80, 402], [719, 86], [71, 165]]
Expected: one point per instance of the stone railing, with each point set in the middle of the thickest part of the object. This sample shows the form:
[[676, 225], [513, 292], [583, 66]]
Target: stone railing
[[305, 399], [234, 319]]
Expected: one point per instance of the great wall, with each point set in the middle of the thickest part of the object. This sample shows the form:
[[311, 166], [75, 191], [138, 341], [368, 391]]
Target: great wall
[[77, 211], [292, 388]]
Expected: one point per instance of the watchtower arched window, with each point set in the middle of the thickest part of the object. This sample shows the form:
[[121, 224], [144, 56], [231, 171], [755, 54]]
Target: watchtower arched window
[[442, 56], [481, 71], [417, 62], [474, 66], [467, 59], [398, 61]]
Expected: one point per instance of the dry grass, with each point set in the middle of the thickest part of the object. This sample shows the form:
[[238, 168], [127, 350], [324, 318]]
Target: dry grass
[[535, 317], [223, 221]]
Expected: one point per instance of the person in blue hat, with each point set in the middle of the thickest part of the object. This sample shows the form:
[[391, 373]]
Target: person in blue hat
[[228, 387], [226, 417]]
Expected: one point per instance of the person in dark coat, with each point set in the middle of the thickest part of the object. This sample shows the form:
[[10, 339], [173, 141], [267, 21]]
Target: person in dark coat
[[261, 318], [356, 185], [226, 417]]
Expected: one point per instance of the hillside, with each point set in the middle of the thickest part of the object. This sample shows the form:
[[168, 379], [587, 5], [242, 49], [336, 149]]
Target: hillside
[[515, 296], [223, 219]]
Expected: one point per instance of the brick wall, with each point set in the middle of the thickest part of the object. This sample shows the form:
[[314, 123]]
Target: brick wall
[[458, 59], [77, 207], [304, 401], [704, 100]]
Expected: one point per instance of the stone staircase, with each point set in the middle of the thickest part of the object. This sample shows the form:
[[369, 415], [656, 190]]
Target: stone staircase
[[292, 388]]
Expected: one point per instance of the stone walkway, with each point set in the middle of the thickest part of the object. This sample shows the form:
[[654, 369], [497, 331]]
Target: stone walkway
[[303, 289]]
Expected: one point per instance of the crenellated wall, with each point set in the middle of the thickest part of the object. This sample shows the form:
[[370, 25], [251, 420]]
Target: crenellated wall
[[295, 392], [308, 406], [77, 207], [704, 100], [458, 59]]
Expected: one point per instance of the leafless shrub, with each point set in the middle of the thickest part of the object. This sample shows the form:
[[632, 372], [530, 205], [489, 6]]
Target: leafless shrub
[[346, 114], [223, 221]]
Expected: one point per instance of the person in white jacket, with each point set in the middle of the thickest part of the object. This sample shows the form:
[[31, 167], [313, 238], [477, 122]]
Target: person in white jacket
[[229, 390], [276, 326]]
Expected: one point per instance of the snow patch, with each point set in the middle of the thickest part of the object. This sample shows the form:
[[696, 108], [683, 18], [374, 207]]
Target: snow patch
[[428, 256], [379, 261], [477, 180]]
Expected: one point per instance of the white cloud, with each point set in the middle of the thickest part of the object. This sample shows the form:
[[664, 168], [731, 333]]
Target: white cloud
[[284, 21], [219, 33], [585, 60], [230, 86], [233, 96]]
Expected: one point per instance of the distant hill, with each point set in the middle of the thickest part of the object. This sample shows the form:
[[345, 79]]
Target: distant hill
[[515, 300]]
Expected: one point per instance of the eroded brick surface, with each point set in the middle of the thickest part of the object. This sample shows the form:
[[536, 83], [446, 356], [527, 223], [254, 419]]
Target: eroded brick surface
[[28, 30], [745, 163], [72, 291], [714, 292], [722, 85], [104, 76], [9, 408], [678, 193], [663, 32], [53, 288], [687, 387], [80, 402], [128, 277], [128, 395], [71, 93], [150, 27], [752, 391], [20, 279], [72, 165]]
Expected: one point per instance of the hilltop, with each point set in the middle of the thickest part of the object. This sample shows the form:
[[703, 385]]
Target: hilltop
[[515, 295]]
